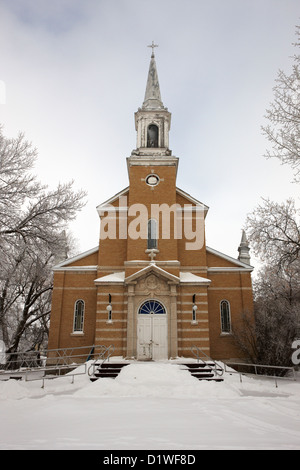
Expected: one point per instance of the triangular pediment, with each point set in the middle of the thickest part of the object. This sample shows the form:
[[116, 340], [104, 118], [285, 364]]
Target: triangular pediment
[[152, 269]]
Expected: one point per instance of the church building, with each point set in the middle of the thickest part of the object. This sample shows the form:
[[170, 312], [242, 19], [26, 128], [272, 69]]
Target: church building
[[152, 288]]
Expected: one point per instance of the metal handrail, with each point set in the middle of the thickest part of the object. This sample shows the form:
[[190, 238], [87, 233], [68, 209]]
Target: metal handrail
[[105, 350], [48, 360], [256, 366], [196, 351], [47, 364]]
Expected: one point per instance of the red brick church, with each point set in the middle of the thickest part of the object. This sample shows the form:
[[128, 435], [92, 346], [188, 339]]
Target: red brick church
[[152, 287]]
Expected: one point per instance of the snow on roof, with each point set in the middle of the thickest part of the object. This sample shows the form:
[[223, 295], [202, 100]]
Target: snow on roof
[[114, 277], [229, 258], [75, 258], [192, 278], [185, 277]]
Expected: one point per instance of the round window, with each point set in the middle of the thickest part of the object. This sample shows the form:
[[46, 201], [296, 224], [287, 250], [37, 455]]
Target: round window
[[152, 180]]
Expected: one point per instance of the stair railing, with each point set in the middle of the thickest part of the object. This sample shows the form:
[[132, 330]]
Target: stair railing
[[217, 369], [104, 355]]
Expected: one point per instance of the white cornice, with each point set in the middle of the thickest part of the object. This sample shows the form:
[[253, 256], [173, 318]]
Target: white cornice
[[228, 269], [152, 160], [239, 264], [76, 268], [78, 257]]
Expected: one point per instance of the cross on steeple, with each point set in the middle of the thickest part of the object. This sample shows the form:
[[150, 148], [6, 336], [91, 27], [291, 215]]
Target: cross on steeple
[[153, 46]]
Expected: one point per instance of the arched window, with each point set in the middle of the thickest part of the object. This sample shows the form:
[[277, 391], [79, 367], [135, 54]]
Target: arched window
[[225, 316], [152, 307], [152, 234], [152, 136], [78, 316]]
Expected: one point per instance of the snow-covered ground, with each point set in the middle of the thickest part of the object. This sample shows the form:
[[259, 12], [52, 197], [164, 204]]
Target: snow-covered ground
[[150, 406]]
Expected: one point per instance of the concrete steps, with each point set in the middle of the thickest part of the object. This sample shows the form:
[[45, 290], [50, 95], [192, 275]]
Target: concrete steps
[[108, 370], [204, 371], [201, 371]]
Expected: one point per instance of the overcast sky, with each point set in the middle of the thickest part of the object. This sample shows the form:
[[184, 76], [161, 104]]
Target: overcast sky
[[75, 72]]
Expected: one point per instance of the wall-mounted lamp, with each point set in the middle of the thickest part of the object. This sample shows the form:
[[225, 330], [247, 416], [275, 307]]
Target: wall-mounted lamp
[[109, 309], [194, 313], [194, 320]]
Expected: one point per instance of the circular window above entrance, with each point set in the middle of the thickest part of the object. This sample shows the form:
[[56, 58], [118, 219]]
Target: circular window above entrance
[[152, 307], [152, 180]]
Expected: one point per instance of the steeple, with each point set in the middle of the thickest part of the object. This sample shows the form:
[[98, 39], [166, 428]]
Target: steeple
[[244, 249], [152, 98], [152, 120]]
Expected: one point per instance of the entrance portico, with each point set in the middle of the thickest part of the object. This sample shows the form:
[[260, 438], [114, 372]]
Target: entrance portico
[[152, 335]]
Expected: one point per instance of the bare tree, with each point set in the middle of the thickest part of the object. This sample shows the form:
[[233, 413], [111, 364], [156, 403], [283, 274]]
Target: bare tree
[[27, 208], [283, 130], [268, 339], [277, 304], [274, 235], [33, 223], [245, 336], [273, 230]]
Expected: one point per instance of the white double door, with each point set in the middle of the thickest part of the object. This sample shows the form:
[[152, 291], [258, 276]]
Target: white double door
[[152, 337]]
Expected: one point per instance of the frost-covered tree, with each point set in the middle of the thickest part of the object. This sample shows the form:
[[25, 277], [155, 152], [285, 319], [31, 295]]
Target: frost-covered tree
[[28, 209], [283, 115], [33, 224], [277, 312], [267, 339], [273, 230]]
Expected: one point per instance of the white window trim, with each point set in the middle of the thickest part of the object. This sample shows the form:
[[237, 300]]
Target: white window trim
[[225, 333], [81, 331]]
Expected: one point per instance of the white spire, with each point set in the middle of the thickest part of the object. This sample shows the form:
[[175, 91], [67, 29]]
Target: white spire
[[152, 98]]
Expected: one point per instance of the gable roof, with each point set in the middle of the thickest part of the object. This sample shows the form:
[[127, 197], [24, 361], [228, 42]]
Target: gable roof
[[239, 264], [65, 264], [110, 201]]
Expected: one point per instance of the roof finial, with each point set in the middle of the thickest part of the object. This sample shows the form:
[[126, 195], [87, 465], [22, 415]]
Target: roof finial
[[243, 249], [153, 46]]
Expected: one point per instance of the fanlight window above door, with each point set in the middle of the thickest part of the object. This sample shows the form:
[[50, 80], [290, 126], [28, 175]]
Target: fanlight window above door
[[152, 307]]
